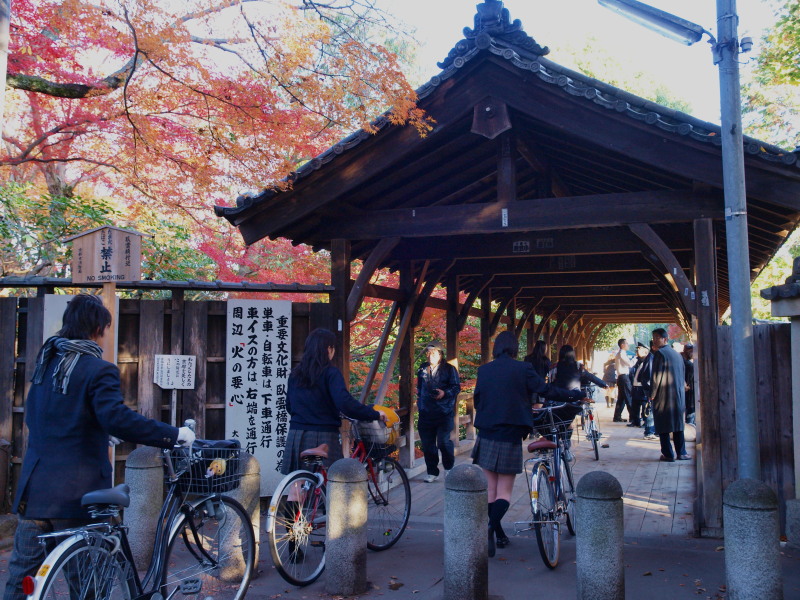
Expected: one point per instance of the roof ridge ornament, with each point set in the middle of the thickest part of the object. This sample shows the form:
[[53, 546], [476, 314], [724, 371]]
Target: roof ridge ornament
[[493, 23]]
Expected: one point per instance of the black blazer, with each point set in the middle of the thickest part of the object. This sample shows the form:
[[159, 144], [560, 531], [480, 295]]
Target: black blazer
[[503, 393], [68, 433]]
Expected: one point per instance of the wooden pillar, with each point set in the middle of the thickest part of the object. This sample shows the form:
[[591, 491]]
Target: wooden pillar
[[406, 367], [529, 335], [511, 315], [340, 280], [506, 169], [486, 322], [8, 337], [709, 520], [452, 321]]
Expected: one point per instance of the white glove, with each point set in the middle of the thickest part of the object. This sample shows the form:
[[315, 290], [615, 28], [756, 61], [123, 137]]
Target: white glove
[[185, 437]]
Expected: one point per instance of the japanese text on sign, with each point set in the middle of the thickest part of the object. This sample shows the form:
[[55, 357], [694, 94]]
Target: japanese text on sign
[[258, 361]]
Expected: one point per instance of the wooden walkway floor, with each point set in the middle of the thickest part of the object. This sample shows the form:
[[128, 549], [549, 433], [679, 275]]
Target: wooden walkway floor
[[658, 496]]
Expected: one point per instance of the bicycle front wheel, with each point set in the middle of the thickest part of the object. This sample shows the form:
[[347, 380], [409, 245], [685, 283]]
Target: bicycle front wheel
[[568, 492], [211, 552], [389, 504], [89, 567], [545, 524], [594, 435], [296, 528]]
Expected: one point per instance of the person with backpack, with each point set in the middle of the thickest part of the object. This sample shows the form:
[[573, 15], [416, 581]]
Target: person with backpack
[[610, 379]]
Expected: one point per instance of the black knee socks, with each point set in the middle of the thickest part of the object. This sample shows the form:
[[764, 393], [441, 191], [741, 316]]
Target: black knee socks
[[497, 510]]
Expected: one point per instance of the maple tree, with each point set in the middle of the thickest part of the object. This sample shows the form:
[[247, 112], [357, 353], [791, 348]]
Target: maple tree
[[187, 103]]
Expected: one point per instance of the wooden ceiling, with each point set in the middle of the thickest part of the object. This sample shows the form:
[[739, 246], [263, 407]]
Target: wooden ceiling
[[556, 193]]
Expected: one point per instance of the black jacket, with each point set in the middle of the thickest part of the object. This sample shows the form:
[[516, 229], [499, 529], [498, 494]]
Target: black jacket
[[503, 393], [446, 379], [644, 370], [68, 433], [317, 408]]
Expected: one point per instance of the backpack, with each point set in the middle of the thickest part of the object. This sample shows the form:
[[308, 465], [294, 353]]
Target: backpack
[[610, 372]]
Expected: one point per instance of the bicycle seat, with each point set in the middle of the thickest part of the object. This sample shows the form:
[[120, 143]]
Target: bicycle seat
[[541, 444], [119, 496], [321, 451]]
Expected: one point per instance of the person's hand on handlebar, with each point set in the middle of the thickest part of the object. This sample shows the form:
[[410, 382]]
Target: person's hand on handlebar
[[381, 416]]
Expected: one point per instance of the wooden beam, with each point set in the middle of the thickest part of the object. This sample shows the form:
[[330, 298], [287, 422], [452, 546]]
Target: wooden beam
[[378, 356], [562, 246], [544, 321], [477, 290], [451, 320], [542, 166], [526, 315], [375, 258], [707, 379], [686, 290], [598, 210], [506, 169], [430, 284], [340, 278], [499, 314]]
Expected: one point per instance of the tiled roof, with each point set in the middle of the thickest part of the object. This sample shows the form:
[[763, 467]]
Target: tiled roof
[[506, 40]]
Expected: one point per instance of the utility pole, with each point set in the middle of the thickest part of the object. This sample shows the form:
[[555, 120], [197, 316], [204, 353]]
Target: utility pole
[[743, 353]]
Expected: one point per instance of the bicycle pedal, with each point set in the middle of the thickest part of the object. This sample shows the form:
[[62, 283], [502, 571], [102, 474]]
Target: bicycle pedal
[[191, 586]]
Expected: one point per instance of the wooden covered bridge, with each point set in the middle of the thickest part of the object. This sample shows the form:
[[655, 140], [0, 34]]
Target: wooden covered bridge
[[541, 192]]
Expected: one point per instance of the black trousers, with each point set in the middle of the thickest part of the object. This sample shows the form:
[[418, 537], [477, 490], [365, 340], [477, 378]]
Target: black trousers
[[623, 396]]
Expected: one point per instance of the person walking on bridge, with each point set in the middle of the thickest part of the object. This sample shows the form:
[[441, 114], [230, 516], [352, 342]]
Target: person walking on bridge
[[669, 403]]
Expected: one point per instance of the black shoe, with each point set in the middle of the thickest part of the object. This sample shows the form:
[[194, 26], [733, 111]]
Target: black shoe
[[632, 425], [492, 550], [681, 457], [503, 541], [620, 420], [666, 459]]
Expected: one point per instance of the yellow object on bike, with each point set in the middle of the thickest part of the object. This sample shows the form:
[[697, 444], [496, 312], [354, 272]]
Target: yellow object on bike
[[391, 415]]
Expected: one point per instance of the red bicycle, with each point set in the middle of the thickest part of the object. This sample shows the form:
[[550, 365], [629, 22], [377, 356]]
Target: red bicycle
[[297, 513]]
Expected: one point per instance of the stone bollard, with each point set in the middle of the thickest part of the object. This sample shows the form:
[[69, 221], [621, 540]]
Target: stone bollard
[[599, 527], [248, 495], [752, 542], [346, 536], [466, 562], [144, 473]]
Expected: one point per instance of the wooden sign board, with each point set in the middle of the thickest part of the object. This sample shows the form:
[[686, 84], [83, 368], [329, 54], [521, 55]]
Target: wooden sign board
[[106, 255], [175, 371]]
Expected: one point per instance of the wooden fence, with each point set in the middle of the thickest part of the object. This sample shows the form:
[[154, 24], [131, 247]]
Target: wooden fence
[[774, 399], [145, 328]]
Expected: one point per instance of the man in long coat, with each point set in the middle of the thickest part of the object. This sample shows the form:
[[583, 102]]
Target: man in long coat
[[669, 403]]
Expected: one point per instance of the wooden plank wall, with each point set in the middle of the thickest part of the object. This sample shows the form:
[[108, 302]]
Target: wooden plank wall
[[774, 401], [145, 328]]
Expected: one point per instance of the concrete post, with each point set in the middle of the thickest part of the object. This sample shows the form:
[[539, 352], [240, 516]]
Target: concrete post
[[248, 495], [599, 524], [466, 562], [752, 541], [144, 473], [346, 536]]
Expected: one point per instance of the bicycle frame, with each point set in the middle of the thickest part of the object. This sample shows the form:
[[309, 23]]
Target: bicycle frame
[[174, 504]]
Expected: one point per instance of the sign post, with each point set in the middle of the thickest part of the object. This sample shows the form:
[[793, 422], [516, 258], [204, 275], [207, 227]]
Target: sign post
[[107, 255], [174, 372]]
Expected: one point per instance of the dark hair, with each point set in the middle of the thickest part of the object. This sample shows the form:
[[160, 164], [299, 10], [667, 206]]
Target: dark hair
[[539, 350], [84, 318], [567, 354], [315, 357], [505, 343], [660, 332], [620, 342]]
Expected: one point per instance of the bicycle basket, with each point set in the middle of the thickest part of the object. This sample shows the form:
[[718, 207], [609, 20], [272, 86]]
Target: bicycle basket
[[379, 440], [209, 467], [375, 432]]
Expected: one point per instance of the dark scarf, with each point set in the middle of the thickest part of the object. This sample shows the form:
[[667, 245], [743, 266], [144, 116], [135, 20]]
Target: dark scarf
[[70, 351]]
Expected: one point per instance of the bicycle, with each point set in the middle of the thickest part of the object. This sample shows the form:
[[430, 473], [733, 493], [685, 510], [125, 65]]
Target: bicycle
[[297, 512], [204, 543], [591, 431], [551, 487]]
